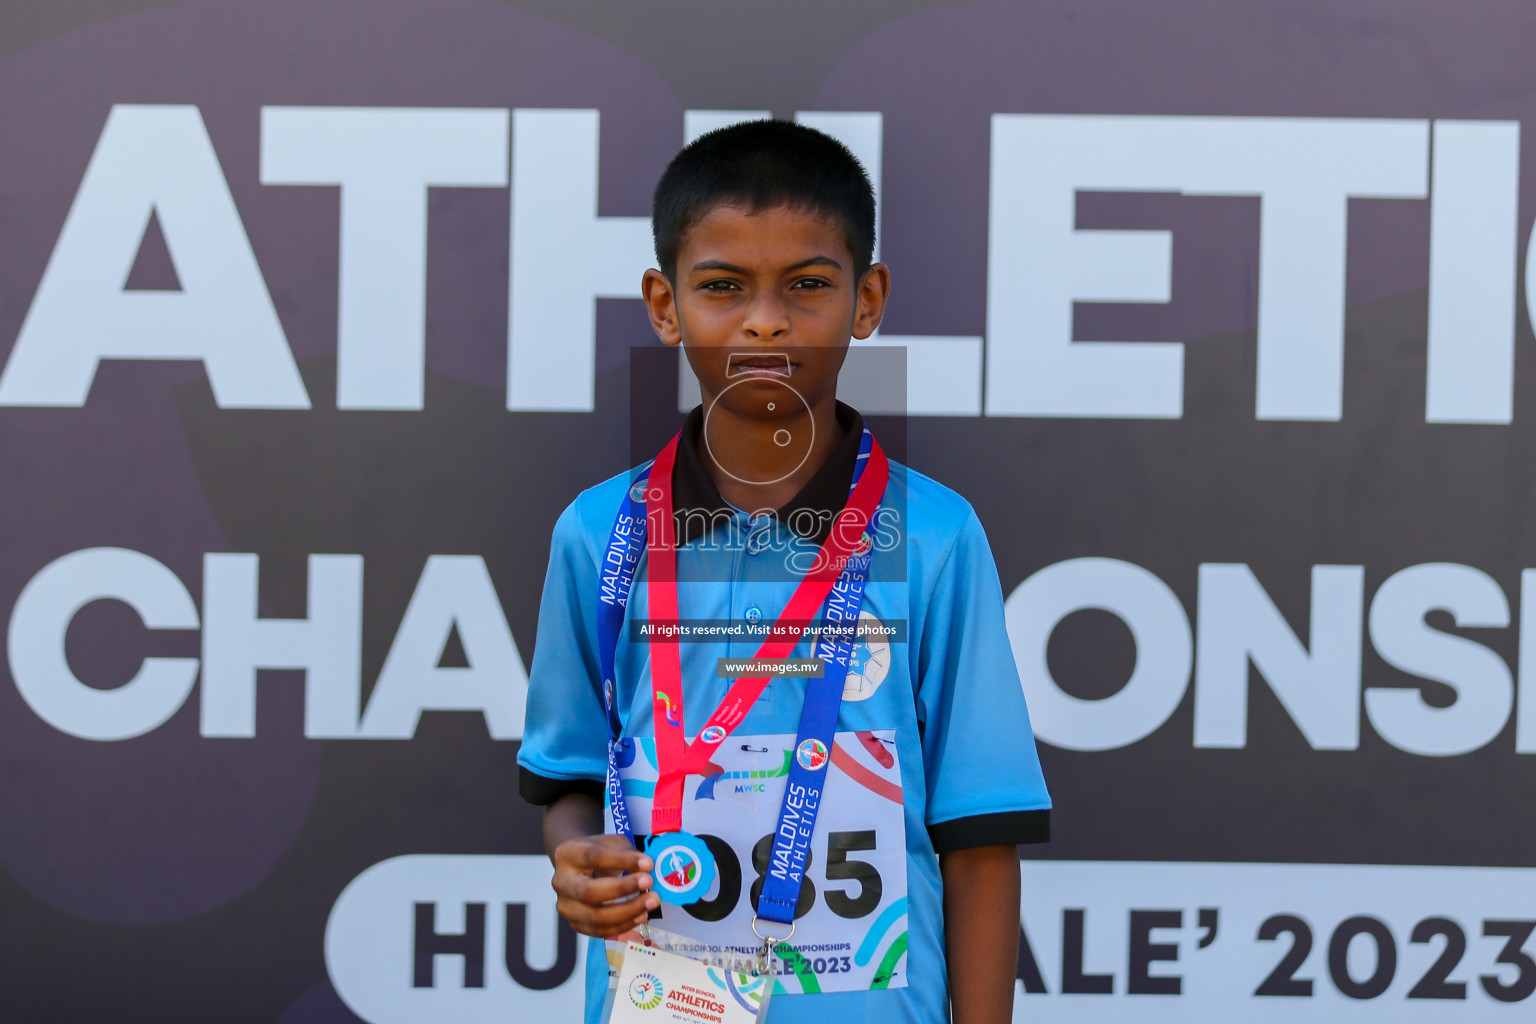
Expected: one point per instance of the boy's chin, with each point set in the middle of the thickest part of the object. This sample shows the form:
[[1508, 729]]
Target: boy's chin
[[764, 400]]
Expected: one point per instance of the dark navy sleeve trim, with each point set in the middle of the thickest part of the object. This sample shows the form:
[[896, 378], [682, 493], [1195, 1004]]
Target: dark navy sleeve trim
[[1003, 829], [543, 791]]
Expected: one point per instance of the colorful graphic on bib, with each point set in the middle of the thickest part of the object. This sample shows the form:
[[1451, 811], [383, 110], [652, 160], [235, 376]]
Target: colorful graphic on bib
[[645, 991], [666, 702], [713, 734], [877, 748], [624, 755], [886, 973], [812, 755], [645, 748], [874, 942], [685, 869], [744, 988], [864, 776], [706, 790], [638, 787], [868, 663]]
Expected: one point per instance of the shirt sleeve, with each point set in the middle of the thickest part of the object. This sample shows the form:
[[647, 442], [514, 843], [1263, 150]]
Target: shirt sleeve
[[985, 786], [565, 734]]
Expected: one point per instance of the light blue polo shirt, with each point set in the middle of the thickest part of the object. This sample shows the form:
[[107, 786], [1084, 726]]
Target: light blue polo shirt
[[934, 737]]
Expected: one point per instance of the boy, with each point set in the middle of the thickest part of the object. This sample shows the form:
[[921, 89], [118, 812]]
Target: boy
[[900, 902]]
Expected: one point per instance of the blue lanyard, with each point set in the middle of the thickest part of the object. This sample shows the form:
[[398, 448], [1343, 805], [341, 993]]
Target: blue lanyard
[[616, 579], [818, 716]]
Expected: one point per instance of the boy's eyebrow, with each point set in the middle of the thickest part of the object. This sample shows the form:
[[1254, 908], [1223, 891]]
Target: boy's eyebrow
[[732, 268]]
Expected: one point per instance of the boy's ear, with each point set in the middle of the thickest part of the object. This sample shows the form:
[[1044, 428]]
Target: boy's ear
[[874, 289], [661, 304]]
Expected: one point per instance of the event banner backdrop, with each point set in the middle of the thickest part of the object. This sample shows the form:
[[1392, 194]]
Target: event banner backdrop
[[314, 314]]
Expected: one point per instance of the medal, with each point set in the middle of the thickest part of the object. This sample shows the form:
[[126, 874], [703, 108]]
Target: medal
[[685, 869]]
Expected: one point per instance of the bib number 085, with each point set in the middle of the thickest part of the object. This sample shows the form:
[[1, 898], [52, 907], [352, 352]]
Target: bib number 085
[[858, 899]]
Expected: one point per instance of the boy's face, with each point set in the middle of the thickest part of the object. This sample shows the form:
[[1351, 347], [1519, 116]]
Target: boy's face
[[779, 280]]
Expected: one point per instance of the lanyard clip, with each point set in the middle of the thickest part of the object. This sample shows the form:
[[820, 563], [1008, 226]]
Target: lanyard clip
[[769, 941]]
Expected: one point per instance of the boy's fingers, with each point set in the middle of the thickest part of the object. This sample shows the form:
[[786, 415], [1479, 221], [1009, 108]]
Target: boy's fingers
[[618, 841], [616, 932], [594, 889], [608, 918], [627, 846], [596, 856], [602, 890]]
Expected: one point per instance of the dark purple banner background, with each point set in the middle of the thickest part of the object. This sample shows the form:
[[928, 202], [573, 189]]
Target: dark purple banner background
[[173, 877]]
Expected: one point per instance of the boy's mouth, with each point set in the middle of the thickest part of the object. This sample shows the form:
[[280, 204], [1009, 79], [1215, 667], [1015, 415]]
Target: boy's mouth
[[757, 364]]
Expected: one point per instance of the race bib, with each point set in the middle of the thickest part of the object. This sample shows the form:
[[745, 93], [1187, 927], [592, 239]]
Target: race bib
[[851, 921]]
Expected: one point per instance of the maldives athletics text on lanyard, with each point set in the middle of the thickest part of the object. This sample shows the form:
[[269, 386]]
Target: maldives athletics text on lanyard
[[836, 578]]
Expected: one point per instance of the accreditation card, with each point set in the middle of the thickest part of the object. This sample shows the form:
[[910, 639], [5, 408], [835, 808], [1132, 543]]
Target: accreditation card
[[659, 987]]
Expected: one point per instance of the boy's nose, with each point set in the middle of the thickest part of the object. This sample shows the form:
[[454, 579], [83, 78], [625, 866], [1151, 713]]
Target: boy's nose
[[766, 318]]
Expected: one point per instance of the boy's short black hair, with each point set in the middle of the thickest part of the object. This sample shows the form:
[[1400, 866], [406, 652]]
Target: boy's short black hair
[[759, 165]]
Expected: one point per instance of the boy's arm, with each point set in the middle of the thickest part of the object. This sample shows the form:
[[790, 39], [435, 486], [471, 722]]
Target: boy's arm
[[985, 789], [600, 880], [981, 931], [564, 745]]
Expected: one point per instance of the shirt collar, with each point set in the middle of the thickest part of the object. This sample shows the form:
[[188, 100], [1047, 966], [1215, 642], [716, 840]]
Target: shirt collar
[[698, 507]]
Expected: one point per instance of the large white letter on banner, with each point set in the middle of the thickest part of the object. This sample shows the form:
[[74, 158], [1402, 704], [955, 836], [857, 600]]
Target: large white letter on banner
[[1039, 264], [1164, 651], [1525, 702], [455, 591], [1474, 219], [153, 160], [1479, 677], [328, 645], [41, 618], [564, 256], [1320, 688], [384, 160], [1304, 169]]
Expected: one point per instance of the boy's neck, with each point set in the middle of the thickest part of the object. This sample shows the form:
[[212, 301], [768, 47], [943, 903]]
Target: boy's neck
[[746, 448]]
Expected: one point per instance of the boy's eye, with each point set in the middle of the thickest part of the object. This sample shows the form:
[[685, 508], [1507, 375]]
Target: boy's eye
[[718, 285], [811, 283]]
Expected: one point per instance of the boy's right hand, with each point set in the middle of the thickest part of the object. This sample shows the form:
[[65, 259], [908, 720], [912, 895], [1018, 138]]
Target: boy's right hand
[[603, 885]]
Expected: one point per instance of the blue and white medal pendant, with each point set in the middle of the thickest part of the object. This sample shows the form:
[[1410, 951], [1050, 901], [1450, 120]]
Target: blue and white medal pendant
[[684, 868]]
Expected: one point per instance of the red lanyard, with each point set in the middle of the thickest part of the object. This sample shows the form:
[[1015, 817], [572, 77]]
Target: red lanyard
[[676, 759]]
